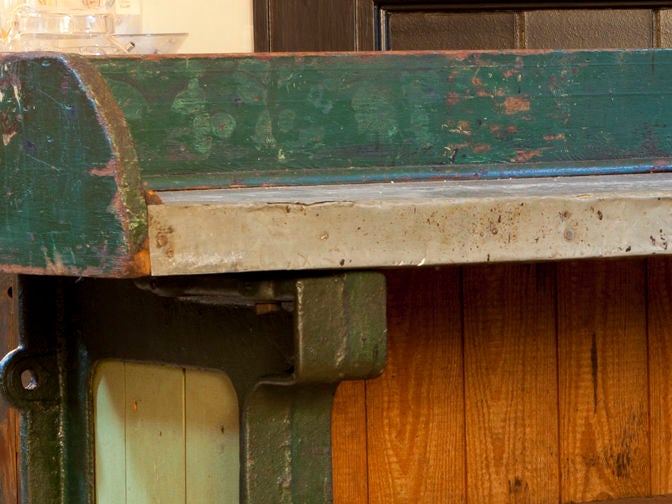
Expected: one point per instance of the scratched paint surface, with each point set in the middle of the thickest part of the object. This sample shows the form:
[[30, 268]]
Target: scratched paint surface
[[61, 210], [250, 120], [70, 179]]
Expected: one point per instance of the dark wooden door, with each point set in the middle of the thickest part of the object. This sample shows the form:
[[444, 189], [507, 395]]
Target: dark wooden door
[[511, 383], [367, 25]]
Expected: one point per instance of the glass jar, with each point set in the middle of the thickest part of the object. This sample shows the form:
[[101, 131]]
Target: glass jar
[[82, 26]]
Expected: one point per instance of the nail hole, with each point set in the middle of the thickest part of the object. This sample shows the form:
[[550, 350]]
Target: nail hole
[[29, 379]]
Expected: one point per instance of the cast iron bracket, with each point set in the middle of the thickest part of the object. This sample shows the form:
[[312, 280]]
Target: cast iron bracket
[[285, 343]]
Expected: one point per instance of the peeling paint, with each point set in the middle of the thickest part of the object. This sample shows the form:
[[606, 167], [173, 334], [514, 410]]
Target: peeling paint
[[516, 104]]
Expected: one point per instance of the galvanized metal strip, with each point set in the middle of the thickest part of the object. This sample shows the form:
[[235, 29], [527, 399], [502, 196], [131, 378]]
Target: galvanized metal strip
[[412, 224]]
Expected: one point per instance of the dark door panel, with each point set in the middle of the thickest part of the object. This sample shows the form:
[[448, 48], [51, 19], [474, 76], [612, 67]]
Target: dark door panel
[[363, 25]]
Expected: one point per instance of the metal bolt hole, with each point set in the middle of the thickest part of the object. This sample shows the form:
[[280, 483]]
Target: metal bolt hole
[[29, 379]]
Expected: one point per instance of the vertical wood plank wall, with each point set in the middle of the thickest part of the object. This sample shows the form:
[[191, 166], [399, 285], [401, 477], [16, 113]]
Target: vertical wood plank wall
[[515, 383]]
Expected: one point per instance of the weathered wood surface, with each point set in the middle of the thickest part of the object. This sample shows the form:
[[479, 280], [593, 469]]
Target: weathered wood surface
[[253, 120], [614, 406], [604, 411], [511, 393], [77, 132], [415, 415], [71, 200], [659, 317]]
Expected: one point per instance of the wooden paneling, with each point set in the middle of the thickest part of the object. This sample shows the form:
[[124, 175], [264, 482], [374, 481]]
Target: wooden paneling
[[165, 434], [212, 454], [574, 407], [415, 410], [300, 25], [348, 435], [511, 383], [603, 383], [9, 418], [660, 372], [441, 30]]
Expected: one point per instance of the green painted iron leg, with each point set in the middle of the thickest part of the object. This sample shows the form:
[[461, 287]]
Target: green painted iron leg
[[284, 363]]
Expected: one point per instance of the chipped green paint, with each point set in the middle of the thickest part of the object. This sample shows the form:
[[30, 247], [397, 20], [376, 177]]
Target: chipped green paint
[[71, 199], [364, 117], [77, 131]]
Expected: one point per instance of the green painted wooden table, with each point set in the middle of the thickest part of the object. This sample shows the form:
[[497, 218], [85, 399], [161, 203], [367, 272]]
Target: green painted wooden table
[[88, 143], [130, 185]]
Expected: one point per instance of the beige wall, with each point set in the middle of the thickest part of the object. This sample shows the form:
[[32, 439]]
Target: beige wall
[[214, 26]]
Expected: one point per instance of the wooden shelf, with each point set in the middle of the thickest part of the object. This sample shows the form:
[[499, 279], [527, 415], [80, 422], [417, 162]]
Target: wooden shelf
[[409, 224]]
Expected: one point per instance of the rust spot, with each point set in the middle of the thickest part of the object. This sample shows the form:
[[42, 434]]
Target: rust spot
[[152, 198], [477, 149], [109, 170], [452, 98], [264, 309], [161, 240], [550, 138], [516, 104], [525, 156], [140, 264], [135, 406]]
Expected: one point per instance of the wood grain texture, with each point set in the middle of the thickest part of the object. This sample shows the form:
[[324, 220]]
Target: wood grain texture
[[342, 118], [69, 175], [297, 25], [367, 26], [660, 372], [415, 410], [349, 444], [603, 383], [261, 25], [9, 418], [511, 383]]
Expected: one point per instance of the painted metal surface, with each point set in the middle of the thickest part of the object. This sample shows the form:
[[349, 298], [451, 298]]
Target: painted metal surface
[[284, 364], [71, 200]]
